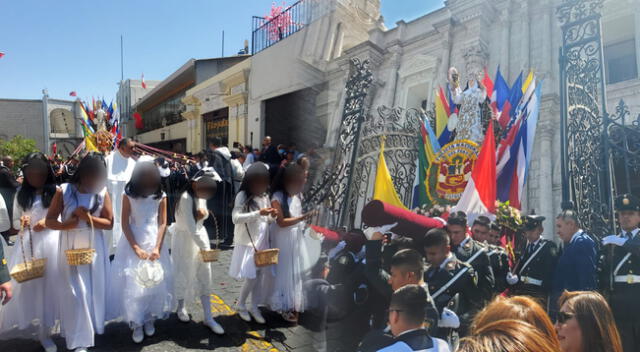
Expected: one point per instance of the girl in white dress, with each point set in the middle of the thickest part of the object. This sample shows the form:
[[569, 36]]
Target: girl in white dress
[[251, 216], [82, 288], [34, 305], [193, 277], [133, 295], [287, 235]]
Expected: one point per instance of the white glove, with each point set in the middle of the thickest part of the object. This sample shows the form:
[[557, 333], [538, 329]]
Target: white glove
[[448, 319], [368, 232], [613, 239], [512, 279]]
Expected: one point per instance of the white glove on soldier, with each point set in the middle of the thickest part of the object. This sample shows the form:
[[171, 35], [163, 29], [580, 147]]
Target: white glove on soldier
[[512, 279], [368, 232], [448, 319], [613, 239]]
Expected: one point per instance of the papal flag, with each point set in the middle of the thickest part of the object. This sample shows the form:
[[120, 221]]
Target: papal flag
[[384, 189]]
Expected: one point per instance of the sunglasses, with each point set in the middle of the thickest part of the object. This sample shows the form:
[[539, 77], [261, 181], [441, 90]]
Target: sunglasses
[[562, 317]]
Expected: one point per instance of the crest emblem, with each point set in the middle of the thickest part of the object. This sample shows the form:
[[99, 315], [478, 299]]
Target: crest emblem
[[449, 173]]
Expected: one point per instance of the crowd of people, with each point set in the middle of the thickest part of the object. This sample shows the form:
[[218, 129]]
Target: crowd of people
[[152, 229]]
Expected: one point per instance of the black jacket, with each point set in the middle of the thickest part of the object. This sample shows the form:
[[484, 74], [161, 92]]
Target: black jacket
[[541, 267], [480, 264], [623, 294]]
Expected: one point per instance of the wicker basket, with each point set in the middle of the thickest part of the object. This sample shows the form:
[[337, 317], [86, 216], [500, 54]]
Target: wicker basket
[[209, 255], [82, 256], [29, 269], [212, 255], [266, 257]]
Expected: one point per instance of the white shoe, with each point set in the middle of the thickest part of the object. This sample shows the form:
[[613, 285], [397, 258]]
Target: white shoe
[[138, 334], [81, 349], [48, 345], [183, 316], [257, 316], [214, 326], [244, 314], [149, 329]]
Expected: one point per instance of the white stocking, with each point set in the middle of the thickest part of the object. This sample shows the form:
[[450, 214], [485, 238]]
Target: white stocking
[[206, 307]]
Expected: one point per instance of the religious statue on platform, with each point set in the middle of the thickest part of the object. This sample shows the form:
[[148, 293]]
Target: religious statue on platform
[[469, 120]]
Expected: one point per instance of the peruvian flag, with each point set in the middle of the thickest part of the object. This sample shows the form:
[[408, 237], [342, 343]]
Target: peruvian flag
[[1, 54], [479, 196], [73, 93], [144, 85]]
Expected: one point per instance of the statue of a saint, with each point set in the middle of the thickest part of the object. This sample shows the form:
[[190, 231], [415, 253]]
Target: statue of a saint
[[469, 124]]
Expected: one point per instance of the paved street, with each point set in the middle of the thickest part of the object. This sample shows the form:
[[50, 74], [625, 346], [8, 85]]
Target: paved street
[[173, 335]]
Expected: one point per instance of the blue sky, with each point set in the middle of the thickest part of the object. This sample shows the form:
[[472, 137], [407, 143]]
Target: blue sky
[[74, 45]]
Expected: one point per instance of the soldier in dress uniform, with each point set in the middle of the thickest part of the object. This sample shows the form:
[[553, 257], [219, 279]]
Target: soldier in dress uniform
[[620, 274], [498, 257], [470, 251], [452, 283], [532, 275]]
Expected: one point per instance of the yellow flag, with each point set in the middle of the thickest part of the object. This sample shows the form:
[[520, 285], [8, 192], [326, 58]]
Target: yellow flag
[[89, 145], [441, 116], [384, 189], [527, 82]]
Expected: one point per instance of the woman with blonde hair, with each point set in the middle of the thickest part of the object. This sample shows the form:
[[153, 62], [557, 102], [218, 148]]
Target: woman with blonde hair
[[585, 323], [519, 308], [507, 335]]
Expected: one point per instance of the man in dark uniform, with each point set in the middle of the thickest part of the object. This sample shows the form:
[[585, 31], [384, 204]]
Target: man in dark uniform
[[406, 310], [406, 267], [451, 282], [470, 251], [620, 277], [498, 257], [532, 275]]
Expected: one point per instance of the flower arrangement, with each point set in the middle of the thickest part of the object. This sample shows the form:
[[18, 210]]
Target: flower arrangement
[[507, 216]]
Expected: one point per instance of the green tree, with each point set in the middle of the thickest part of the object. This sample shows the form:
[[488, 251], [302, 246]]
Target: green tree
[[17, 147]]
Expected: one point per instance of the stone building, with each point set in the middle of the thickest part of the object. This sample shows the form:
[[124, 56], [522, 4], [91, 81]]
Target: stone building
[[26, 117], [410, 60]]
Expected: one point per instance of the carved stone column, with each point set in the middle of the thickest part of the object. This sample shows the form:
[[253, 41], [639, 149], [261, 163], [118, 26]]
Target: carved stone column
[[476, 58], [545, 133]]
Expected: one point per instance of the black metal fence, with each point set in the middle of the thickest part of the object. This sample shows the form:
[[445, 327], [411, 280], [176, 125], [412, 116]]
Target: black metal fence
[[268, 31]]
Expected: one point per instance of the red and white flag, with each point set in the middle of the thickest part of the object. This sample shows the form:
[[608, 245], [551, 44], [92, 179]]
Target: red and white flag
[[1, 54], [144, 85], [479, 196], [73, 93]]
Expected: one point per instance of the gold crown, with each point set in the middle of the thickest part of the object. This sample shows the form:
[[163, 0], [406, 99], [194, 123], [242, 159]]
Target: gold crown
[[625, 201]]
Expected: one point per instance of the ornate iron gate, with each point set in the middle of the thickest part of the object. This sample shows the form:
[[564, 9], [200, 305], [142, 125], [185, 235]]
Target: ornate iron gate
[[600, 152], [347, 185], [400, 128]]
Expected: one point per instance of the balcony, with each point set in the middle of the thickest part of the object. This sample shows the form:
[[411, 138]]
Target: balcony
[[267, 31]]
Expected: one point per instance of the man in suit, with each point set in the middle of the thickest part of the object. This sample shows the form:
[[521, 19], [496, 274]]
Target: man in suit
[[498, 257], [269, 154], [5, 280], [532, 275], [621, 266], [451, 282], [470, 251], [405, 313], [576, 268]]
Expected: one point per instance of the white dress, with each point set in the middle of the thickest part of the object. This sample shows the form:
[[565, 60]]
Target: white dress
[[34, 302], [127, 299], [193, 277], [242, 265], [82, 288], [288, 294], [119, 170]]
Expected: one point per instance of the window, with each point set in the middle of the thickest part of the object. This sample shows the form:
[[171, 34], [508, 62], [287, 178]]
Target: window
[[620, 61]]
